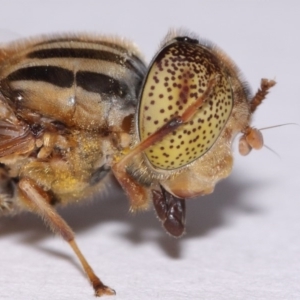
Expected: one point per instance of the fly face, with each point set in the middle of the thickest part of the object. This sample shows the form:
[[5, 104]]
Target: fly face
[[192, 105]]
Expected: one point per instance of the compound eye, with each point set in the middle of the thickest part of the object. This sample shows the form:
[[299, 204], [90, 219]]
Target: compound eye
[[179, 76]]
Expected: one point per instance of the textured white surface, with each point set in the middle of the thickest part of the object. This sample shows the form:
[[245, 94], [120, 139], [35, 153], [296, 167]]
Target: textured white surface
[[243, 241]]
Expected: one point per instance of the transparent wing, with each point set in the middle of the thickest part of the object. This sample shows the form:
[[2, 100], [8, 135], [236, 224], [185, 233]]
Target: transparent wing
[[15, 135]]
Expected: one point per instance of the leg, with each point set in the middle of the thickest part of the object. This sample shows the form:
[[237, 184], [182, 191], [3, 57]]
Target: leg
[[38, 201], [138, 195]]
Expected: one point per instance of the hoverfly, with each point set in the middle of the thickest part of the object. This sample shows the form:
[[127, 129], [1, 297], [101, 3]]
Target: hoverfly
[[75, 107]]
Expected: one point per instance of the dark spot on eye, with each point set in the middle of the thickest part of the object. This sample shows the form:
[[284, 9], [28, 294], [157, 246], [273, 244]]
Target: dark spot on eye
[[155, 79]]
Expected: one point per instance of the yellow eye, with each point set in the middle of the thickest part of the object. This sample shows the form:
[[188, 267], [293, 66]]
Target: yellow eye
[[178, 76]]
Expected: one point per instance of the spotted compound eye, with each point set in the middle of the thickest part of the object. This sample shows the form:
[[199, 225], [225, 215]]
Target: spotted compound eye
[[177, 77]]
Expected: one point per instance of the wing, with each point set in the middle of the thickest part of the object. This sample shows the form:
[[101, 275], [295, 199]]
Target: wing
[[15, 136], [15, 139]]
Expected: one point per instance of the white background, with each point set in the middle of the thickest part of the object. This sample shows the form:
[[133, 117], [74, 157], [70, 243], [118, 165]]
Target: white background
[[243, 241]]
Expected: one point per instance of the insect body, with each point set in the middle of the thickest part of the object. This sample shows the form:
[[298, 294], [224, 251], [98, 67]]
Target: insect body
[[69, 113]]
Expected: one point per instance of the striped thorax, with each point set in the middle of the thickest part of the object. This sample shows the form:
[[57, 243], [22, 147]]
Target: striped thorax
[[75, 80]]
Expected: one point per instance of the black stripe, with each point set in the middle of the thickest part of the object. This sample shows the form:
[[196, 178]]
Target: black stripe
[[137, 66], [136, 60], [100, 83], [83, 41], [54, 75]]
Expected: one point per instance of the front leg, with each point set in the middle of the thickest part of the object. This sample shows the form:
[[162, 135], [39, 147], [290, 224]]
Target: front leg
[[38, 201]]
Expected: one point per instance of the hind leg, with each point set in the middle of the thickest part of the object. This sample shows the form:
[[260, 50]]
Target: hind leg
[[38, 201]]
